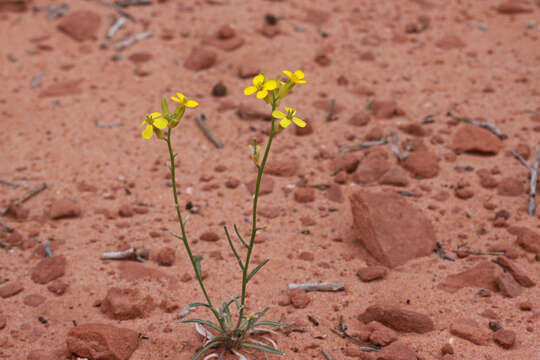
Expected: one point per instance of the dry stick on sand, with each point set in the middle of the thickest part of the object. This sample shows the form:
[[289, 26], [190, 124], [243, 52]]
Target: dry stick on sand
[[118, 23], [441, 253], [363, 145], [119, 10], [341, 331], [201, 120], [326, 354], [47, 248], [126, 3], [318, 286], [139, 254], [396, 150], [30, 194], [132, 39], [11, 185], [330, 115], [534, 179], [478, 252], [483, 124]]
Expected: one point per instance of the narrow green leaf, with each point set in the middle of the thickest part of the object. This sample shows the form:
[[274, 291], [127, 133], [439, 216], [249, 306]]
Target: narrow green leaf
[[263, 348], [177, 236], [225, 310], [240, 236], [233, 249], [261, 314], [198, 260], [164, 107], [257, 269], [197, 304], [213, 344], [204, 322], [270, 323]]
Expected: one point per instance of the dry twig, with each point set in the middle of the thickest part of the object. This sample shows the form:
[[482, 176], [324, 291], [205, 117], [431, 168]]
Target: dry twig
[[132, 39], [25, 197], [119, 10], [330, 115], [201, 120], [139, 254], [118, 23], [326, 354], [11, 185], [441, 253], [396, 150], [479, 252], [534, 179], [483, 124], [318, 286]]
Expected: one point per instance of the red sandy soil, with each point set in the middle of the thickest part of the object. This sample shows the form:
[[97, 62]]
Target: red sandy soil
[[480, 59]]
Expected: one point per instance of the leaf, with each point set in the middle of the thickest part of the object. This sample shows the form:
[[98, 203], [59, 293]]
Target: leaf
[[263, 348], [233, 249], [228, 318], [206, 348], [270, 323], [240, 237], [164, 107], [197, 304], [204, 322], [198, 260], [261, 314], [257, 269]]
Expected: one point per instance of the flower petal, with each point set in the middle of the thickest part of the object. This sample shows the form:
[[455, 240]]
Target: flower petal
[[160, 123], [250, 90], [147, 132], [262, 94], [176, 99], [278, 114], [143, 122], [270, 85], [299, 74], [288, 73], [285, 122], [300, 81], [155, 115], [181, 96], [191, 103], [299, 122], [259, 79]]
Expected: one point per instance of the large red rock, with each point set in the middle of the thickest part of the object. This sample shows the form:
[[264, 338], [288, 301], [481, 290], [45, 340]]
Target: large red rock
[[529, 240], [516, 271], [471, 138], [469, 329], [398, 319], [102, 342], [14, 5], [422, 164], [49, 269], [483, 275], [10, 289], [64, 208], [80, 25], [373, 166], [285, 166], [513, 7], [200, 59], [391, 229], [125, 304], [449, 42]]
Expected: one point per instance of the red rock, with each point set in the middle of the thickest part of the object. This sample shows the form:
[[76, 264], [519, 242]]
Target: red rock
[[510, 186], [228, 44], [102, 342], [380, 334], [529, 240], [374, 165], [504, 338], [322, 60], [306, 256], [464, 193], [469, 329], [18, 211], [64, 208], [514, 7], [487, 180], [447, 349], [449, 42], [371, 273], [398, 319], [125, 211], [391, 230], [470, 138], [57, 287], [166, 256], [359, 119], [397, 351], [516, 271], [508, 286], [523, 150], [282, 166], [396, 176], [299, 298], [49, 269], [334, 193], [415, 129], [270, 212], [80, 25], [423, 164], [248, 70], [232, 183], [385, 109], [140, 57], [12, 288], [347, 162], [270, 31], [63, 88], [209, 236], [219, 90], [226, 32], [3, 321], [14, 238], [14, 5], [304, 195], [267, 186], [126, 304], [33, 300], [303, 131], [480, 276], [200, 59], [375, 133]]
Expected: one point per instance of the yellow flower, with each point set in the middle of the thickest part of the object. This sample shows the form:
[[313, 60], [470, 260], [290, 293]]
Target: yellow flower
[[295, 77], [255, 153], [154, 123], [260, 86], [184, 101], [287, 118]]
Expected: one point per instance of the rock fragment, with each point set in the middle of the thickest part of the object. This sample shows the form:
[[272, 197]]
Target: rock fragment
[[126, 304], [469, 329], [49, 269], [10, 289], [200, 59], [80, 25], [398, 319], [471, 138], [64, 208]]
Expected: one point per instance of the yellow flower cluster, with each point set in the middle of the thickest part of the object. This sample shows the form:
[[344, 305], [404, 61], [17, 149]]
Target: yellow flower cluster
[[273, 91], [156, 121]]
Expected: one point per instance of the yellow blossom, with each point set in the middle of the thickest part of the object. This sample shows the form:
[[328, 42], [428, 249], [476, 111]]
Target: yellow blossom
[[154, 124], [184, 101], [255, 153], [295, 77], [287, 118], [261, 86]]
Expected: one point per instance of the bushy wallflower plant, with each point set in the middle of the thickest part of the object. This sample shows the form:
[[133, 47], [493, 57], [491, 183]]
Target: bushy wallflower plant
[[243, 332]]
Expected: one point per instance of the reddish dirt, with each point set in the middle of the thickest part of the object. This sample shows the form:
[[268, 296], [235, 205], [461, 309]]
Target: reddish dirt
[[70, 115]]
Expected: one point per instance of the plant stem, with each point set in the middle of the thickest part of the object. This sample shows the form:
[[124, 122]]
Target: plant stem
[[184, 236], [254, 220]]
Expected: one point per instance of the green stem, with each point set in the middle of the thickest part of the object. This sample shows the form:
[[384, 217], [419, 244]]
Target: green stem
[[184, 237], [254, 220]]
